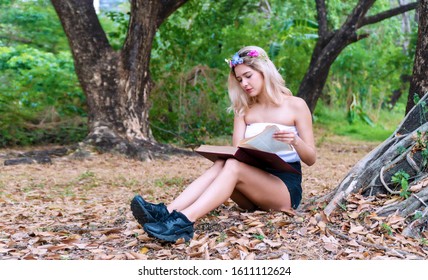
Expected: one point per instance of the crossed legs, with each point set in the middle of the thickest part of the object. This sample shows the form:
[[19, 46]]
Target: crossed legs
[[248, 186]]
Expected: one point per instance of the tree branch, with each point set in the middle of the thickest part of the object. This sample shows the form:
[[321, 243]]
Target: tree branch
[[387, 14], [357, 37], [16, 39], [79, 20], [168, 7], [357, 15], [322, 18]]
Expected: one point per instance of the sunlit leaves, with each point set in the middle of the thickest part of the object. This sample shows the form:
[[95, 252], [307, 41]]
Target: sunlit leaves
[[36, 85], [33, 23]]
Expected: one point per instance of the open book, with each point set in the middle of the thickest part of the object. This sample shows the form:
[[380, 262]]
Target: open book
[[259, 151]]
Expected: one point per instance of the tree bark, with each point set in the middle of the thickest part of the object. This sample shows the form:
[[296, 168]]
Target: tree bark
[[117, 84], [401, 151], [419, 83], [332, 42]]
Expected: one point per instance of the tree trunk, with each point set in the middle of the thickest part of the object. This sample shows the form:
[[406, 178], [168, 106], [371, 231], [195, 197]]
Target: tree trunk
[[117, 84], [331, 43], [405, 151], [396, 94], [419, 82]]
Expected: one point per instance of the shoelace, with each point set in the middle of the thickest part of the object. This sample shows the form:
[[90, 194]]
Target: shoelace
[[172, 220]]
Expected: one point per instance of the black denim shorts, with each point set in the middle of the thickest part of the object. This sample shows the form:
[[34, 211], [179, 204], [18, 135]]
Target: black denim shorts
[[293, 182]]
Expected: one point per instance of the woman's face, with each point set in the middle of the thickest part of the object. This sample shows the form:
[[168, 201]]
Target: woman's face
[[250, 80]]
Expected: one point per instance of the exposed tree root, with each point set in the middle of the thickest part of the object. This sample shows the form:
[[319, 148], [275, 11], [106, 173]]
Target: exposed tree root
[[406, 207], [406, 152], [107, 140], [103, 140]]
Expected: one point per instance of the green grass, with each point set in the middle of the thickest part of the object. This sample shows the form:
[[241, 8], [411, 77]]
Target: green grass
[[335, 121]]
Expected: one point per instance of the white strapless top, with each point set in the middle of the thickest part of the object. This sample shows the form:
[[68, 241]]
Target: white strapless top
[[256, 128]]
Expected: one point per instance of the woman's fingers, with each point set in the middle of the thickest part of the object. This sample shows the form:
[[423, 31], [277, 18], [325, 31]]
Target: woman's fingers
[[285, 136]]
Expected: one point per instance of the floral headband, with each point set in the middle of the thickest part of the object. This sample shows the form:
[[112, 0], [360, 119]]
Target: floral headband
[[236, 59]]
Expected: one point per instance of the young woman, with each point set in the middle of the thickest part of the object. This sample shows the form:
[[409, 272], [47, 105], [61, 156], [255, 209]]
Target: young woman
[[259, 98]]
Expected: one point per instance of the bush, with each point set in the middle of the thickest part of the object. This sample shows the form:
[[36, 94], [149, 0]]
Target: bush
[[40, 91]]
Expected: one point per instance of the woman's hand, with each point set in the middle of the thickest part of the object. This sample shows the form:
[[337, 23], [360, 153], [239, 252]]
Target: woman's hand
[[286, 136]]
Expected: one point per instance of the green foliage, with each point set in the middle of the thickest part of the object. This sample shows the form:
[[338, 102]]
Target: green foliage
[[356, 110], [417, 101], [387, 228], [422, 145], [421, 140], [401, 178], [361, 80], [342, 206], [187, 64], [258, 236], [334, 120], [417, 215], [192, 112], [115, 23], [366, 73], [40, 97], [401, 149], [41, 100], [33, 23], [189, 101]]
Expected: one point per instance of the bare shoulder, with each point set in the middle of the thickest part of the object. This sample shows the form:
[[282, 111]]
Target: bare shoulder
[[296, 103]]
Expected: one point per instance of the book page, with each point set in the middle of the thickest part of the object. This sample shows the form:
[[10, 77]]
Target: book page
[[264, 141], [217, 149]]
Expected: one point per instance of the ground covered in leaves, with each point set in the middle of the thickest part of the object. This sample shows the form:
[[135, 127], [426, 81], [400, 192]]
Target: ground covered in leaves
[[78, 208]]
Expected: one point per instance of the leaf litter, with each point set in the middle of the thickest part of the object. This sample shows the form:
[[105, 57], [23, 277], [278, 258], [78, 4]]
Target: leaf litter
[[78, 209]]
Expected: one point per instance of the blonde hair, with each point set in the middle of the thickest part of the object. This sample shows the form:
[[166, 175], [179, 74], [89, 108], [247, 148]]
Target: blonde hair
[[274, 83]]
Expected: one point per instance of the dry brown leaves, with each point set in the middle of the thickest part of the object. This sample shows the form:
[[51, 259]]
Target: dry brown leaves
[[370, 236], [79, 209]]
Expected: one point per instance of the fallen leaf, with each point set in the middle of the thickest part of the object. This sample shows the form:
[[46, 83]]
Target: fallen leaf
[[271, 243], [353, 215], [357, 229], [353, 243], [132, 243], [322, 226], [331, 247], [144, 250], [242, 254], [395, 219], [139, 256]]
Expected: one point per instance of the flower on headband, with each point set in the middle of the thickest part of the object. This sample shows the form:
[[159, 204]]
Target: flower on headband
[[236, 59], [253, 53]]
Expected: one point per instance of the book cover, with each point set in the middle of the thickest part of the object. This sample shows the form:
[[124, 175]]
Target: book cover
[[257, 158], [258, 151]]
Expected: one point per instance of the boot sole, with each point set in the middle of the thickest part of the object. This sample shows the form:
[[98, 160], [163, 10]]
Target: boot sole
[[138, 212], [186, 235]]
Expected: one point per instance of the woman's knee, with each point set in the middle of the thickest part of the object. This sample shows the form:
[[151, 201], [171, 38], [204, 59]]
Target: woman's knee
[[217, 166], [234, 166], [219, 163]]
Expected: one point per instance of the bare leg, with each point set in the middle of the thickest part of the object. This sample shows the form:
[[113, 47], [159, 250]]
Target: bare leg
[[242, 201], [263, 189], [196, 188]]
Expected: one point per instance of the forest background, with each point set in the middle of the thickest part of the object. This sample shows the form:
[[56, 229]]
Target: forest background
[[41, 101], [77, 206]]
